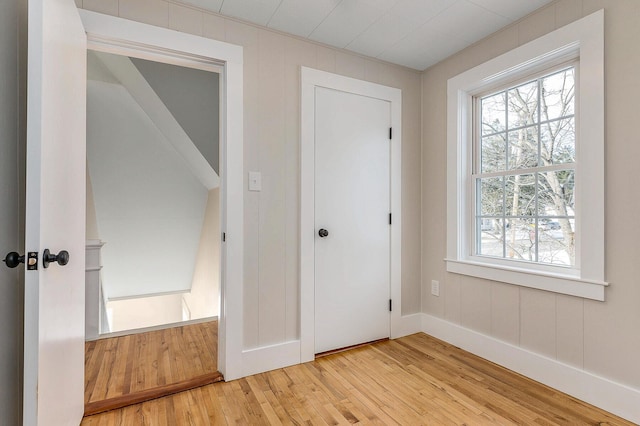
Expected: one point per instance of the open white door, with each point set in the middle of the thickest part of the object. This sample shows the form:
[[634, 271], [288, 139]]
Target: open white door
[[55, 214]]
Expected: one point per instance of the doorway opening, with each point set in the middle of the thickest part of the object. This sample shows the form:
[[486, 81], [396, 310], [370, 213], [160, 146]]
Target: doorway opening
[[153, 193], [155, 204]]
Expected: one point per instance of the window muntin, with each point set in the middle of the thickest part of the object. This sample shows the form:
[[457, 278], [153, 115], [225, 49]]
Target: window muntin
[[524, 171]]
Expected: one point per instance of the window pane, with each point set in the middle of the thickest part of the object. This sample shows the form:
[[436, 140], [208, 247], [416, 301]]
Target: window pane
[[493, 114], [491, 196], [493, 153], [556, 193], [520, 195], [523, 105], [558, 142], [491, 238], [558, 95], [557, 241], [521, 239], [523, 148]]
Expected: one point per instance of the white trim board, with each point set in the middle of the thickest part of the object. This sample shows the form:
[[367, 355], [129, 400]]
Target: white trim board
[[311, 79], [614, 397], [272, 357], [115, 35]]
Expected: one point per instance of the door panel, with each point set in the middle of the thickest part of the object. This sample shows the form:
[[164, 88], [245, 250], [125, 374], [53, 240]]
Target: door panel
[[352, 184], [55, 214]]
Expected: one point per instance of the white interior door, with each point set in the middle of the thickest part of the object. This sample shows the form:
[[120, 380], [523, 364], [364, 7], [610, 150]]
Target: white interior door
[[352, 190], [55, 214]]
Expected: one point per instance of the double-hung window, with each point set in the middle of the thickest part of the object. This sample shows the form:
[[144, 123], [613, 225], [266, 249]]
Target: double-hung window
[[525, 158], [523, 180]]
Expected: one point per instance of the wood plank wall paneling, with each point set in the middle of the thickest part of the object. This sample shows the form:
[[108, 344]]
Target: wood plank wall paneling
[[271, 146], [413, 380], [142, 363]]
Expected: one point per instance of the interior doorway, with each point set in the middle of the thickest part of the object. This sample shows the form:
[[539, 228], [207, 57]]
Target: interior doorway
[[153, 191], [154, 212]]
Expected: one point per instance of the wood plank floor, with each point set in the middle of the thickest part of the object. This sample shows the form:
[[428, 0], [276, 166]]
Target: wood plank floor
[[128, 365], [414, 380]]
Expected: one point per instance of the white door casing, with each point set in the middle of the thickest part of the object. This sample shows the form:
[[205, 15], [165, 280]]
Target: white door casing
[[352, 188], [55, 214], [311, 80], [115, 35]]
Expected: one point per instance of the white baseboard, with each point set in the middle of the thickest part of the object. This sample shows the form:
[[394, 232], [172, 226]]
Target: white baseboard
[[406, 325], [614, 397], [272, 357]]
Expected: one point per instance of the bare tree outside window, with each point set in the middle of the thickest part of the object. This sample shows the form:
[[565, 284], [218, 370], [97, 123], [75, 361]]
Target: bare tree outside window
[[524, 171]]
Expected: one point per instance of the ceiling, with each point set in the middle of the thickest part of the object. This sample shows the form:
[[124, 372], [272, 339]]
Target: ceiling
[[413, 33]]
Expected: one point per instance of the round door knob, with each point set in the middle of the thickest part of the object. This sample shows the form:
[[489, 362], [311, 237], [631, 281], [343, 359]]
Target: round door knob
[[13, 259], [61, 258], [323, 233]]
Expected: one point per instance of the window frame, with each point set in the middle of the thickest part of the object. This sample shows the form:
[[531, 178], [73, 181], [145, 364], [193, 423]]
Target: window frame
[[477, 174], [581, 42]]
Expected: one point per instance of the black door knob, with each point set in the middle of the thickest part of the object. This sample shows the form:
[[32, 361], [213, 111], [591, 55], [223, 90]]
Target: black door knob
[[323, 233], [61, 258], [13, 259]]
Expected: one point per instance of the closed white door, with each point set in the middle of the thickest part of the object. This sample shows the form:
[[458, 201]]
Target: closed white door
[[352, 231], [55, 215]]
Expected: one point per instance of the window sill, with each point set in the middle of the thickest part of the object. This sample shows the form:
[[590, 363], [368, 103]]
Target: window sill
[[557, 283]]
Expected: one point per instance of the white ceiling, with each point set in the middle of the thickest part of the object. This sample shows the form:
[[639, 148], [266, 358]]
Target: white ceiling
[[414, 33]]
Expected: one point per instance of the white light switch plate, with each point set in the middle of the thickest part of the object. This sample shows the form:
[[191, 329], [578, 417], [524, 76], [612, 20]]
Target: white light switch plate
[[255, 181]]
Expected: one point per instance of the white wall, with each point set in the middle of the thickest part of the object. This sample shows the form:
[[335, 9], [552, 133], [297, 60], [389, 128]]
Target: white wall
[[149, 205], [203, 299], [11, 288], [271, 145], [129, 314], [598, 337]]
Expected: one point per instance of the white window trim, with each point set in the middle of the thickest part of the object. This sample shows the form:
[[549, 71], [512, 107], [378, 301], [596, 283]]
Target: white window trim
[[583, 40]]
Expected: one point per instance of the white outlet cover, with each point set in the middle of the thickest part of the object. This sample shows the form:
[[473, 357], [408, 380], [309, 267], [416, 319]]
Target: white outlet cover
[[435, 288]]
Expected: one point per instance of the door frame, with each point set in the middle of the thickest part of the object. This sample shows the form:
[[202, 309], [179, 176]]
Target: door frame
[[120, 36], [310, 79]]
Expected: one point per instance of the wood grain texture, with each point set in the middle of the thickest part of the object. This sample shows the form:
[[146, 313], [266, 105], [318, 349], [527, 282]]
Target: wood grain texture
[[123, 366], [409, 381], [121, 401]]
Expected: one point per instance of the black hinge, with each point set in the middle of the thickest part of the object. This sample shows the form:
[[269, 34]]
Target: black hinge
[[390, 305], [224, 236], [390, 132], [389, 218]]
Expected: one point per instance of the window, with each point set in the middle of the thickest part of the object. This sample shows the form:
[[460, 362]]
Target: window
[[525, 160], [524, 170]]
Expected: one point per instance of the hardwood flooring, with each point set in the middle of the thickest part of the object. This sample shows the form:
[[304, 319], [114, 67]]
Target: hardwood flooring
[[414, 380], [133, 368]]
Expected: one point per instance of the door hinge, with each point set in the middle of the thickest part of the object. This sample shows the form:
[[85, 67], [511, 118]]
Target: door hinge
[[224, 236], [389, 218], [390, 133], [390, 305]]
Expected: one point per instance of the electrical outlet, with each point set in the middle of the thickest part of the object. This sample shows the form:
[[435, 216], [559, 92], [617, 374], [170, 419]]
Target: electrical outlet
[[435, 287]]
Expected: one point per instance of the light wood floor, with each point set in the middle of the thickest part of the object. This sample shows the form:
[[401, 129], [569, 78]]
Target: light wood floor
[[127, 365], [411, 381]]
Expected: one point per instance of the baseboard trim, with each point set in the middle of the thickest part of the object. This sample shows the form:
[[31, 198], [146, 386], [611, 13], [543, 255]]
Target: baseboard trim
[[117, 402], [616, 398], [406, 325], [271, 357]]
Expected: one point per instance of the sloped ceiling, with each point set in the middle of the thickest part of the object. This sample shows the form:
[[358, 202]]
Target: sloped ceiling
[[413, 33]]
